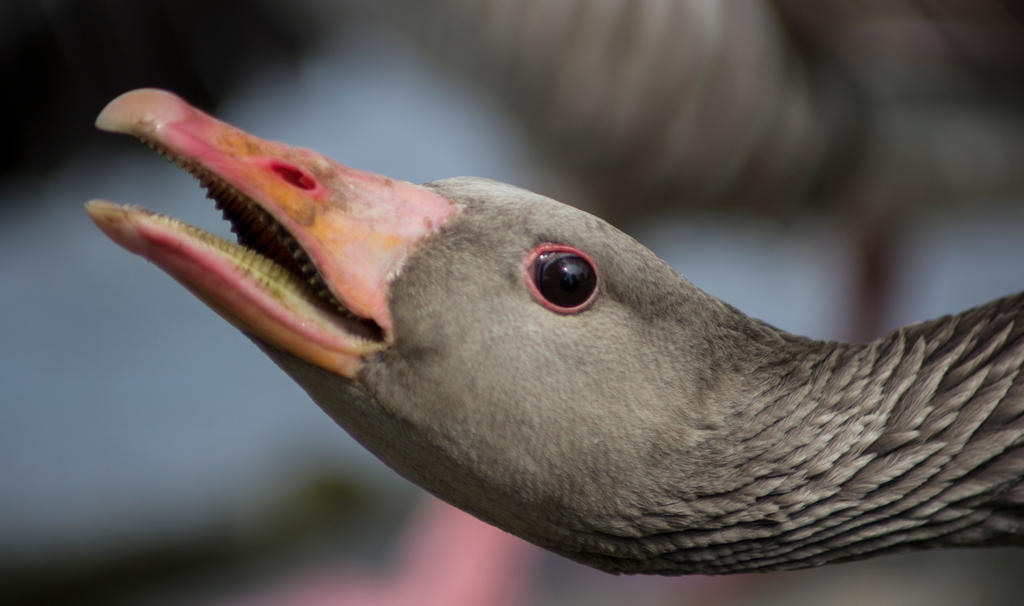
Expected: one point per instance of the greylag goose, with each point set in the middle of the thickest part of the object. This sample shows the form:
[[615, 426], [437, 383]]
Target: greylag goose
[[540, 369]]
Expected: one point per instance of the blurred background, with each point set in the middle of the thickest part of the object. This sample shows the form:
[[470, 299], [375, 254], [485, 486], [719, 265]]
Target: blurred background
[[834, 167]]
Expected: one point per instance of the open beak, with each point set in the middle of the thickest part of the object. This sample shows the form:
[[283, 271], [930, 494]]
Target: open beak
[[318, 242]]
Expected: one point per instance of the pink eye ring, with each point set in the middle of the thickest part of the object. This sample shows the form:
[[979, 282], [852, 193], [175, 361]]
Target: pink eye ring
[[561, 278]]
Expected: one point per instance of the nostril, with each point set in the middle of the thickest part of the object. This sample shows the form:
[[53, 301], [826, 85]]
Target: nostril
[[293, 176]]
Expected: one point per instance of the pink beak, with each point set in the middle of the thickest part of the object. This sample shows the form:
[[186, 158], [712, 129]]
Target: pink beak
[[355, 228]]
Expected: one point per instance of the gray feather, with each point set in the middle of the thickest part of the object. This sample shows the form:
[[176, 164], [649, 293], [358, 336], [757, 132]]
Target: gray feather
[[662, 430]]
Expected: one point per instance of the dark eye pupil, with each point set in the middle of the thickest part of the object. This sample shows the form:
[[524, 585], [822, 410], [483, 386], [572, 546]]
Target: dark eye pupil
[[564, 279]]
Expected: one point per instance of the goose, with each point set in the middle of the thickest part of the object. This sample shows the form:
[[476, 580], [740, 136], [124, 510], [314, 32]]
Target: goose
[[538, 368]]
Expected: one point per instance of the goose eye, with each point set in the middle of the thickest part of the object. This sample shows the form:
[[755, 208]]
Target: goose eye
[[562, 279]]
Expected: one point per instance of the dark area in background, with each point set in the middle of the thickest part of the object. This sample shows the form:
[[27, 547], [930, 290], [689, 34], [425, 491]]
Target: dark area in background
[[849, 62], [773, 108], [328, 515], [60, 62]]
